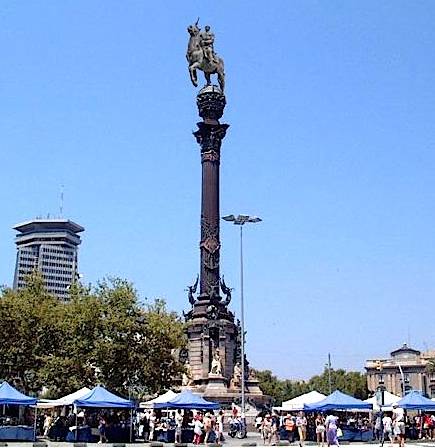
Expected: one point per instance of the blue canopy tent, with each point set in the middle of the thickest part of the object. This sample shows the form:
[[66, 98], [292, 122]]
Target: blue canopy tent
[[11, 396], [415, 400], [188, 400], [338, 401], [99, 397]]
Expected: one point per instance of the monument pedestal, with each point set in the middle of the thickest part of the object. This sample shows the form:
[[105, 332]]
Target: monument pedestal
[[216, 385]]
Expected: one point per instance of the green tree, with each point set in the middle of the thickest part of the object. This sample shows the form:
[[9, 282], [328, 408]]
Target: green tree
[[102, 335], [270, 385], [28, 331], [352, 383]]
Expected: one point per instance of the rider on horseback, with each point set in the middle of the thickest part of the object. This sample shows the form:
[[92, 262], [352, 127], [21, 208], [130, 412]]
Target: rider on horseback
[[206, 41], [201, 56]]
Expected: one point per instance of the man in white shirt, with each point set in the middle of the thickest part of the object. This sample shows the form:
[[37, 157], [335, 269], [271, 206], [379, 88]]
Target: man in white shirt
[[178, 425], [387, 424], [399, 424]]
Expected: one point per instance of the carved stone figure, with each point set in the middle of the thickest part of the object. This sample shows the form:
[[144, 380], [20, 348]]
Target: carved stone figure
[[187, 377], [216, 365], [226, 291], [201, 56], [237, 375], [212, 312], [191, 291]]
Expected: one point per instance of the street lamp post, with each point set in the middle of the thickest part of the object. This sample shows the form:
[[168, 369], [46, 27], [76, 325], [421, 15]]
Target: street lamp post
[[241, 220]]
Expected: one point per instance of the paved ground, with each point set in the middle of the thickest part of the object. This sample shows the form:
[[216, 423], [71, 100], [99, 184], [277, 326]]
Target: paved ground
[[233, 443]]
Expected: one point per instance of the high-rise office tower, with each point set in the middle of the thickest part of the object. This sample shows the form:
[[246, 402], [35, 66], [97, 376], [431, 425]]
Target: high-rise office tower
[[48, 246]]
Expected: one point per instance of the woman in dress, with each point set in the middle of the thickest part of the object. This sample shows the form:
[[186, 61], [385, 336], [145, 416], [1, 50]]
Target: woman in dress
[[197, 429], [102, 429], [331, 424], [266, 429], [320, 430], [301, 424]]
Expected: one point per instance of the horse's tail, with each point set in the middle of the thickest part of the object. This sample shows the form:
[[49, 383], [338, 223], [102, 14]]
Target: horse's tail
[[221, 63]]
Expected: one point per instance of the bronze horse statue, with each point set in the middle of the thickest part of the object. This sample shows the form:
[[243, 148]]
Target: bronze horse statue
[[199, 59]]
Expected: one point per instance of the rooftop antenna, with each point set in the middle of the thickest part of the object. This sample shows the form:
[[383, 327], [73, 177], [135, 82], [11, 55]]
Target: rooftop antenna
[[61, 201]]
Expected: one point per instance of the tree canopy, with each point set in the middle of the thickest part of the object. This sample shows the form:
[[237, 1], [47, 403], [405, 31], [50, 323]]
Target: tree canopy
[[352, 383], [102, 335]]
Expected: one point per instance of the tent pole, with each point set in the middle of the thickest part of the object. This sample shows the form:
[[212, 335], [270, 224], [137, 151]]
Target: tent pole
[[77, 428], [131, 424], [35, 423]]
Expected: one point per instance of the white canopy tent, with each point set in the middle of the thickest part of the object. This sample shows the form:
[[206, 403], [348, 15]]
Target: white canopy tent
[[67, 400], [164, 398], [297, 403], [389, 400]]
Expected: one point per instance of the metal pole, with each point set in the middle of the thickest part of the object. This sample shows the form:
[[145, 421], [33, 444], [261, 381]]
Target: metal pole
[[329, 373], [35, 424], [242, 321], [403, 379]]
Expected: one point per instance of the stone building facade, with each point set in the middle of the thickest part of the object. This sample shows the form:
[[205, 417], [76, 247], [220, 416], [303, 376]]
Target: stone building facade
[[406, 369]]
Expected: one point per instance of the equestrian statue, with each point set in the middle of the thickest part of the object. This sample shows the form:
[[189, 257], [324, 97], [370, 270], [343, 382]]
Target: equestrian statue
[[201, 55]]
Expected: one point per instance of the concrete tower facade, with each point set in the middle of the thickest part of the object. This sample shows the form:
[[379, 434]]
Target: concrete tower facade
[[50, 247]]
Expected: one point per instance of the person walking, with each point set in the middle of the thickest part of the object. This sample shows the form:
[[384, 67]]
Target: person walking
[[152, 423], [102, 430], [207, 426], [220, 427], [178, 426], [197, 429], [399, 424], [378, 433], [266, 429], [274, 435], [48, 421], [331, 424], [320, 430], [301, 424], [387, 424], [289, 425]]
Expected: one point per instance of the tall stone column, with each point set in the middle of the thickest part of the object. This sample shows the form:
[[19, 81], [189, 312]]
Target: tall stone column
[[211, 103]]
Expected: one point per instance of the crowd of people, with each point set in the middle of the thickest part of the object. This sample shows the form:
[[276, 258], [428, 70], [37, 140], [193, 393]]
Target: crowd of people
[[208, 427], [327, 429], [291, 427], [199, 426], [55, 426], [395, 425]]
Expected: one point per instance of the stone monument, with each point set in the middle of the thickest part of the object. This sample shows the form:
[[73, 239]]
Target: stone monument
[[214, 344]]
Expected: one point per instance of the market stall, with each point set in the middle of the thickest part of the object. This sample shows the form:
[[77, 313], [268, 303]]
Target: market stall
[[416, 401], [389, 400], [67, 400], [13, 428], [164, 398], [100, 398], [186, 400], [338, 401], [299, 403]]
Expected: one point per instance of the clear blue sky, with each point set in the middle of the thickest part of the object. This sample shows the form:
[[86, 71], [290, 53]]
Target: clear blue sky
[[331, 107]]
